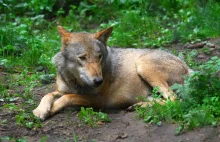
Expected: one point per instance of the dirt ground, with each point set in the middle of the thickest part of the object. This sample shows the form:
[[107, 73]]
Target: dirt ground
[[125, 126]]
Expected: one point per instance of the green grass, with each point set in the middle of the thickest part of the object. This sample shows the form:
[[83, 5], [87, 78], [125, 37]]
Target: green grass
[[143, 33], [22, 49], [200, 23], [7, 138], [23, 139], [92, 118]]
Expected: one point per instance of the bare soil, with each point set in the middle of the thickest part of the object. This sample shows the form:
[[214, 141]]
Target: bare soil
[[125, 126]]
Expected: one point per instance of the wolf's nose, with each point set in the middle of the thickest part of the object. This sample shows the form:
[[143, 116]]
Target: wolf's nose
[[98, 81]]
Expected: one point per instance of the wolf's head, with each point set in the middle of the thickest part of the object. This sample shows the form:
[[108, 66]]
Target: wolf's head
[[83, 55]]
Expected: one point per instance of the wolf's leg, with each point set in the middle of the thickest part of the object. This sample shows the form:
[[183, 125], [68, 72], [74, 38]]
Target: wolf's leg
[[155, 76], [71, 100], [149, 103], [43, 109]]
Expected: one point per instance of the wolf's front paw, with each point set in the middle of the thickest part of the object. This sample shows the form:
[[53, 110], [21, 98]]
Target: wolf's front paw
[[140, 104], [42, 113]]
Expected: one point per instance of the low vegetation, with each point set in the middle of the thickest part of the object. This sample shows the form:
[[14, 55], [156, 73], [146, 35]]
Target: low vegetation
[[29, 39], [92, 118]]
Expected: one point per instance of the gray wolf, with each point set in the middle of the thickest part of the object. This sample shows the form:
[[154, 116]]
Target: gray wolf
[[89, 73]]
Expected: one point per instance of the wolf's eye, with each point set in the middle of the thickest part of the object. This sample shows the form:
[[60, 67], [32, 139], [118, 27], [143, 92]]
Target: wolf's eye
[[100, 57], [82, 58]]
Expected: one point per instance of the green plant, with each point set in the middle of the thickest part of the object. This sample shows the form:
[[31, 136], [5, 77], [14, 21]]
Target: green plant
[[203, 104], [199, 21], [207, 78], [11, 106], [156, 113], [145, 30], [7, 138], [75, 138], [92, 118], [19, 48], [4, 121], [43, 139], [189, 57], [206, 50], [28, 120], [155, 92]]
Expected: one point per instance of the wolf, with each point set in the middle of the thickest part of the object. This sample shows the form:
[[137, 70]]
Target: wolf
[[91, 74]]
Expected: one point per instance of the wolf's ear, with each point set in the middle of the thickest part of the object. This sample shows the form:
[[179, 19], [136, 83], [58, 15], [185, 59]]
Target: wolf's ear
[[65, 35], [103, 35]]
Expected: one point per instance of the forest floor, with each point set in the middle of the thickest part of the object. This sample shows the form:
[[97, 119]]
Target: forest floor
[[125, 125]]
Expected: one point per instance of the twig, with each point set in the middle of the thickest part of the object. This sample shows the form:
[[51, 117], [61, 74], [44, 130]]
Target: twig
[[199, 45], [195, 46]]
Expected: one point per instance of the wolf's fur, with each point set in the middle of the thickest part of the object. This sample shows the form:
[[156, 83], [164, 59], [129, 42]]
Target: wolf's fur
[[91, 74]]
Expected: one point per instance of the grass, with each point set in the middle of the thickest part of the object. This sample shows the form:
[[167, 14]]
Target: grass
[[29, 39], [21, 49], [23, 139], [6, 138], [92, 118]]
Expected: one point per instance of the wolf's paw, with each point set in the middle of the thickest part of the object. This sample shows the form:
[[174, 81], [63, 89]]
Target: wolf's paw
[[140, 104], [42, 113], [172, 97]]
